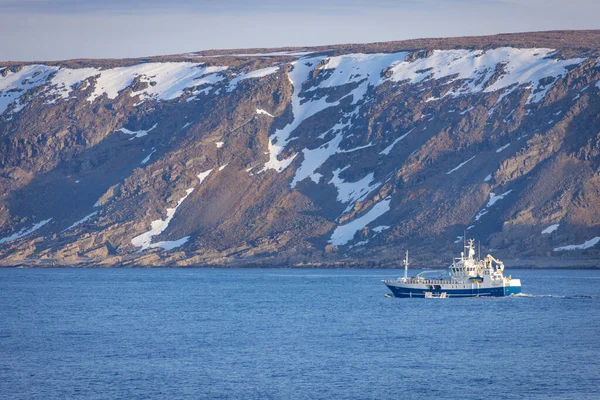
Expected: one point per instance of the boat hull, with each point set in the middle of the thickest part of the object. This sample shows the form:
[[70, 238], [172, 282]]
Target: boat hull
[[500, 291]]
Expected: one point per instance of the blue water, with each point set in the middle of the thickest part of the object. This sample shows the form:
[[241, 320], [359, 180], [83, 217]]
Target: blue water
[[291, 334]]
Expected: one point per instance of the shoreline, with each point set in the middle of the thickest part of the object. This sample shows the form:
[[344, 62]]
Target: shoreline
[[426, 262], [509, 265]]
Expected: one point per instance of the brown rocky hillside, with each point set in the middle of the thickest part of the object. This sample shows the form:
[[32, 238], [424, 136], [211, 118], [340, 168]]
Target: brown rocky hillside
[[339, 155]]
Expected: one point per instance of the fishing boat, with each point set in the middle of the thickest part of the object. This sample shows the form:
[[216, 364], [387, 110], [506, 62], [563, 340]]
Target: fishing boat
[[467, 276]]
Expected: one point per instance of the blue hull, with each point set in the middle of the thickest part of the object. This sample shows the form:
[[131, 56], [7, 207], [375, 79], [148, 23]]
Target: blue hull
[[481, 292]]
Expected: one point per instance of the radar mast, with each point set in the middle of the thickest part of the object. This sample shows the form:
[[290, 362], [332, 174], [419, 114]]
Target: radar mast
[[406, 266]]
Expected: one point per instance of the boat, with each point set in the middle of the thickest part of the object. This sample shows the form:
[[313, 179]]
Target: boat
[[467, 276]]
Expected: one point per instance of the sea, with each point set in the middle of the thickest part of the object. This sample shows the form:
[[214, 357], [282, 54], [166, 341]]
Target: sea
[[291, 334]]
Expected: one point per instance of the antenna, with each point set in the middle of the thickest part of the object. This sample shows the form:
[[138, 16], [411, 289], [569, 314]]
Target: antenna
[[464, 244], [406, 266]]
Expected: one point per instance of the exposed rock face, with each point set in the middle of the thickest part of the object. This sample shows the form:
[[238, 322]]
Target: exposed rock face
[[338, 155]]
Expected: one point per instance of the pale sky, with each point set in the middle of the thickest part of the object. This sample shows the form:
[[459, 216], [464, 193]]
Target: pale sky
[[65, 29]]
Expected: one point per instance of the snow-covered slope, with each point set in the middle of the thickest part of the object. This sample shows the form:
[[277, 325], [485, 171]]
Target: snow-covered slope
[[322, 154]]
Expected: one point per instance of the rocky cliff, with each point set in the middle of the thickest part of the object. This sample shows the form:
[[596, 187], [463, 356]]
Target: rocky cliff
[[339, 155]]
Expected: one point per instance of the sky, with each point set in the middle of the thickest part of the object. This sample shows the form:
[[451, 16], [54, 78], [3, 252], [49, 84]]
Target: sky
[[66, 29]]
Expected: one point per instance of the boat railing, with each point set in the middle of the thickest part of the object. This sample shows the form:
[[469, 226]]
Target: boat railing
[[428, 281]]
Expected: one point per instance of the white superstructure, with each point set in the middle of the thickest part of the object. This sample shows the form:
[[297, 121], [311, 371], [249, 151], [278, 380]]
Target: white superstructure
[[466, 277]]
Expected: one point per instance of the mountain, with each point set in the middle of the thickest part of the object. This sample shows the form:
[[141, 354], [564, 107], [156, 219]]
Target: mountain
[[334, 155]]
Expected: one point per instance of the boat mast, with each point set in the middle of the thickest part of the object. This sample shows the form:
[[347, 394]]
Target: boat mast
[[406, 266], [462, 253]]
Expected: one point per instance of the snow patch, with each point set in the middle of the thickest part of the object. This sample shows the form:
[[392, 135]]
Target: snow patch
[[351, 192], [550, 229], [380, 228], [506, 119], [261, 111], [314, 158], [259, 73], [493, 200], [196, 93], [467, 110], [145, 160], [157, 226], [219, 144], [15, 84], [387, 150], [65, 79], [502, 148], [301, 111], [169, 79], [459, 166], [487, 178], [137, 134], [521, 68], [361, 243], [24, 232], [583, 246], [361, 70], [203, 175], [82, 220], [344, 233], [170, 244]]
